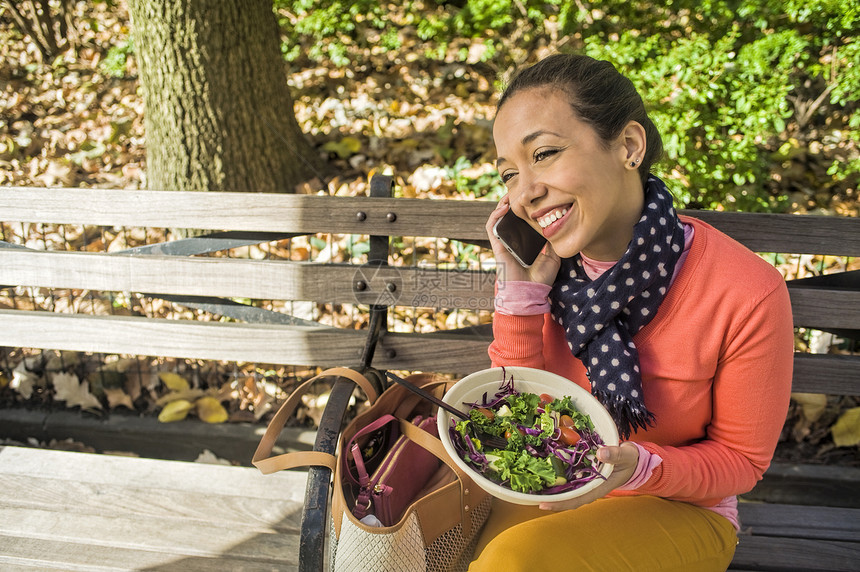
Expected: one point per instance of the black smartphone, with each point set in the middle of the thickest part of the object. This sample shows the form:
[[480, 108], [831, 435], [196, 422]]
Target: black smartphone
[[519, 237]]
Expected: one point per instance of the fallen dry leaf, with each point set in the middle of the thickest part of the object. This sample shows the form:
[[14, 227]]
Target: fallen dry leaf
[[173, 381], [846, 430], [210, 458], [186, 394], [812, 404], [175, 411], [210, 410], [68, 388], [23, 382], [117, 397]]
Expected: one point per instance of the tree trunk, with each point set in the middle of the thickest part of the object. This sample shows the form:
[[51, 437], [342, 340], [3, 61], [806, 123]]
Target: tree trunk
[[219, 115]]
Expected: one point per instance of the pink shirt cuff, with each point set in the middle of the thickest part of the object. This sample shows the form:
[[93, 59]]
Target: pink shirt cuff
[[648, 461], [522, 298]]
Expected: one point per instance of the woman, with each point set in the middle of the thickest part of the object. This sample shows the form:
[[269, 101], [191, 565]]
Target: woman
[[682, 333]]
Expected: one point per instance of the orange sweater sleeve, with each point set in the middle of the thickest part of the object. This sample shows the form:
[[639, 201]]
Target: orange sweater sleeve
[[517, 341], [751, 391]]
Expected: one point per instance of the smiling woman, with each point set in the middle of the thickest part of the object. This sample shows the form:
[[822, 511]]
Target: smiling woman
[[600, 188], [623, 288]]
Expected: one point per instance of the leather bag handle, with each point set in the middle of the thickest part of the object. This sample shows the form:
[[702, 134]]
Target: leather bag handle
[[267, 464], [434, 445]]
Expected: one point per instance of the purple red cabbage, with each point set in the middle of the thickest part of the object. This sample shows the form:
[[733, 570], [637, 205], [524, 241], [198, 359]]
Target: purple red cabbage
[[578, 461]]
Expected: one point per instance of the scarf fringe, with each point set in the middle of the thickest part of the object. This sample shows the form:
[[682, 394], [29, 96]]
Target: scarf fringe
[[628, 416]]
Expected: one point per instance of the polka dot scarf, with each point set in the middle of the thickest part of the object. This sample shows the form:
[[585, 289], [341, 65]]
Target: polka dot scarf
[[600, 317]]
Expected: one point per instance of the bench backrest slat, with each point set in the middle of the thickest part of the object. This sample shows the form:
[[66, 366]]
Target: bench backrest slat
[[447, 352], [820, 308], [240, 278], [248, 211], [462, 220]]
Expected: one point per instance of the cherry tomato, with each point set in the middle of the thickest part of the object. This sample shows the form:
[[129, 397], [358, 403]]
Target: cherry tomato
[[508, 433], [488, 413], [566, 421], [569, 436], [546, 398]]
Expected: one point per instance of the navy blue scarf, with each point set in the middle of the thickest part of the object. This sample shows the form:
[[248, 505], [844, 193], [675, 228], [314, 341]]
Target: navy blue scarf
[[600, 317]]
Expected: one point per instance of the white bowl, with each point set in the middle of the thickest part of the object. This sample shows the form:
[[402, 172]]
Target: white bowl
[[526, 380]]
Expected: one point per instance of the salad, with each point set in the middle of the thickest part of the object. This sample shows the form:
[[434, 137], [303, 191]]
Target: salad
[[550, 448]]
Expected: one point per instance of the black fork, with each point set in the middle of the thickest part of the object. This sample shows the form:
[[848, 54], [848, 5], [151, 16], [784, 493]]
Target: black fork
[[491, 441]]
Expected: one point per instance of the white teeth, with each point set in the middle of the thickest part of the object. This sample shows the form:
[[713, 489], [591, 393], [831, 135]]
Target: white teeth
[[551, 217]]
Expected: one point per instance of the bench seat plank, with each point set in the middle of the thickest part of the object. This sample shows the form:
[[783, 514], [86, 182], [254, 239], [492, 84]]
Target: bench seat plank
[[795, 554], [65, 510], [796, 521], [53, 555]]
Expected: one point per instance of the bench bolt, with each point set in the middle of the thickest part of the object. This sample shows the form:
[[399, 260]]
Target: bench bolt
[[391, 217], [361, 216], [360, 285]]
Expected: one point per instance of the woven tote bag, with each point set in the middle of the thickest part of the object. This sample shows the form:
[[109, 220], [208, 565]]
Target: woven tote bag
[[439, 528]]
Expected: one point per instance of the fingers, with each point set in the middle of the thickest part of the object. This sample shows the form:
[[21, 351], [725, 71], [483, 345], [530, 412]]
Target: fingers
[[624, 454], [500, 210], [499, 251], [609, 455], [625, 457], [577, 502], [545, 268]]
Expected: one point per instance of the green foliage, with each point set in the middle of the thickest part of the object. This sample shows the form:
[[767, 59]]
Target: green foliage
[[485, 184], [724, 92], [730, 82], [329, 27], [114, 62]]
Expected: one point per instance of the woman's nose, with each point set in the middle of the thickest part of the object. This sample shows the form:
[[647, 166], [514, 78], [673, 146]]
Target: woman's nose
[[532, 189]]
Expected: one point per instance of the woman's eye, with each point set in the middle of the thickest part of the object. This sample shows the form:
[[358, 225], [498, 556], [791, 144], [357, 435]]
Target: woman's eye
[[507, 176], [544, 154]]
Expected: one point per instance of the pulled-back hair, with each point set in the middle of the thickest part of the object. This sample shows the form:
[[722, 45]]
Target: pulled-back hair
[[598, 94]]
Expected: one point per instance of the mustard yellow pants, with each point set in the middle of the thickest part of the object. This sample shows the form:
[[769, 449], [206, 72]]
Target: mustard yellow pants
[[616, 534]]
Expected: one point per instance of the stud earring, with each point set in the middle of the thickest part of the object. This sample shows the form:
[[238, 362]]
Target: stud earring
[[634, 162]]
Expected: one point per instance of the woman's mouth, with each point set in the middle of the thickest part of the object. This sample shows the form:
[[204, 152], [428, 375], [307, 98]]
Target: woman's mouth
[[550, 222]]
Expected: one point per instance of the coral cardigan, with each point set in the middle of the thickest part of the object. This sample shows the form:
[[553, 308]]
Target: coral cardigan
[[716, 366]]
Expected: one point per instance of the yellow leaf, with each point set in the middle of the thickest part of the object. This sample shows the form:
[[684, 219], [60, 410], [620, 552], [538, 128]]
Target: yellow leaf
[[210, 410], [846, 430], [351, 143], [812, 404], [344, 148], [175, 411], [187, 394], [173, 381]]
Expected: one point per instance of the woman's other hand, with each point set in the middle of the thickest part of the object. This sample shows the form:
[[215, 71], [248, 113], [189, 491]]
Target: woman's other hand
[[545, 267], [625, 457]]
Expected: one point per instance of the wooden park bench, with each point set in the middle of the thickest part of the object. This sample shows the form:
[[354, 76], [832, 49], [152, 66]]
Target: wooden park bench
[[156, 512]]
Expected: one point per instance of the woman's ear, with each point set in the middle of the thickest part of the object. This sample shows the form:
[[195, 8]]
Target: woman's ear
[[633, 143]]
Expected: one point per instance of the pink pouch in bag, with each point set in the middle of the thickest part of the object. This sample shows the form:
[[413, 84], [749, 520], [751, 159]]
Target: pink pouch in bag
[[402, 473]]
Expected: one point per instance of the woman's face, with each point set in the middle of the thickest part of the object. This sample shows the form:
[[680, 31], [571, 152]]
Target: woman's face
[[580, 193]]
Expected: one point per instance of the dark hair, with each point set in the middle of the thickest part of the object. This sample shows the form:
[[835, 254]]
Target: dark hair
[[598, 94]]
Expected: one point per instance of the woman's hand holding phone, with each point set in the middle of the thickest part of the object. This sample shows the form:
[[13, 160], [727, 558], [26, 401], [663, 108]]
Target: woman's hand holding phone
[[543, 270]]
